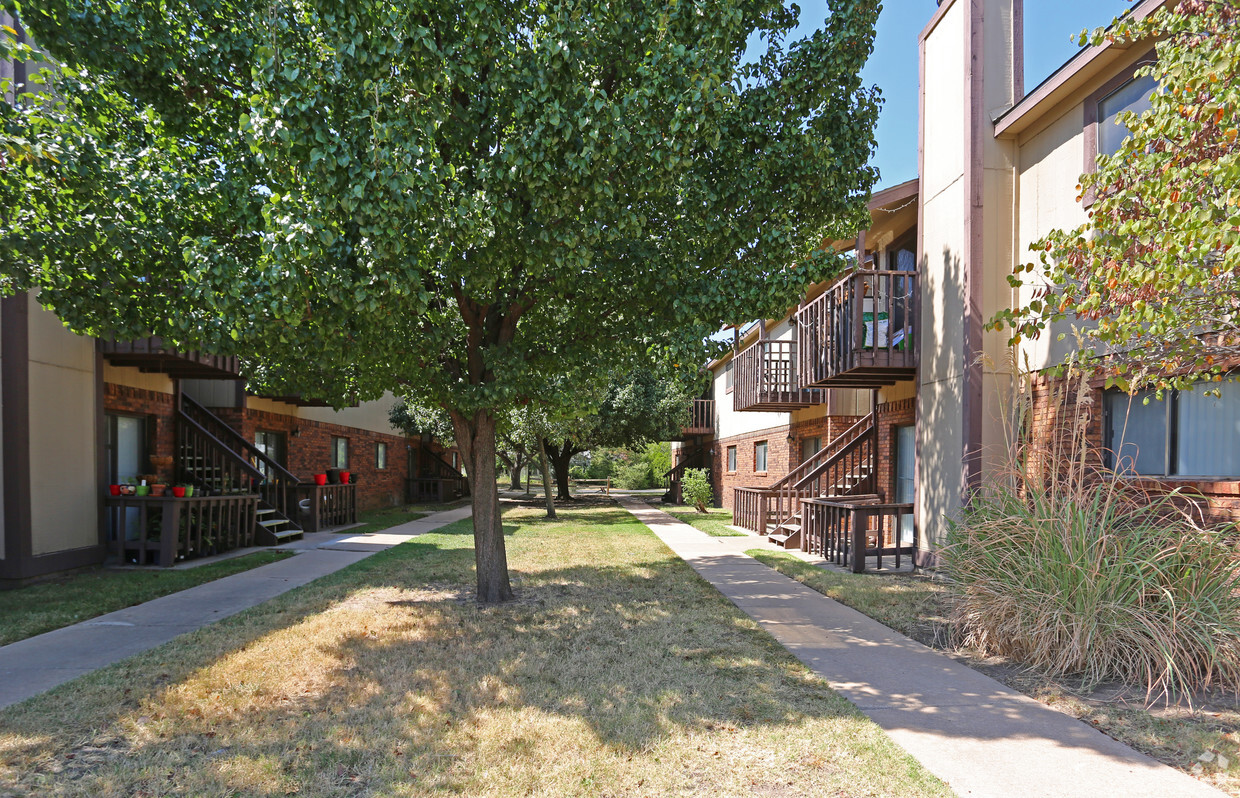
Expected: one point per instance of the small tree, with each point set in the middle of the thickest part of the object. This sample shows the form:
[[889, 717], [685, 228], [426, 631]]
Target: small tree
[[696, 488], [1155, 273]]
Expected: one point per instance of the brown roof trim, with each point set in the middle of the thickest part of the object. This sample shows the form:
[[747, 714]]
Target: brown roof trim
[[944, 5], [1069, 79], [897, 193]]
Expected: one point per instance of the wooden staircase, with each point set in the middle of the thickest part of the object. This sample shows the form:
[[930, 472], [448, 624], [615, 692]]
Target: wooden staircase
[[214, 456], [673, 478], [844, 468]]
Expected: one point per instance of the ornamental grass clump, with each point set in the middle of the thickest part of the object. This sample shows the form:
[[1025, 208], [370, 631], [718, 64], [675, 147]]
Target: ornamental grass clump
[[1065, 567]]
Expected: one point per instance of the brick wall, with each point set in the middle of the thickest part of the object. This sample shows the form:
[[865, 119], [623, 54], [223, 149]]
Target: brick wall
[[310, 452], [827, 428], [901, 413], [1062, 411], [777, 454], [156, 408]]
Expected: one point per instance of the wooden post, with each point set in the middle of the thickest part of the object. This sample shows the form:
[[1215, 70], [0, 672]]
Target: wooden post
[[858, 541], [170, 529]]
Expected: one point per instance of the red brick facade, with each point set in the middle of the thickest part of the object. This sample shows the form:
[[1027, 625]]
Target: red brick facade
[[777, 462], [901, 413], [1063, 411], [309, 443], [156, 408]]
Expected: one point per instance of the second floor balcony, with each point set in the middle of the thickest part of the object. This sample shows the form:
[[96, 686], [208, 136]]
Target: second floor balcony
[[765, 378], [861, 332], [152, 355]]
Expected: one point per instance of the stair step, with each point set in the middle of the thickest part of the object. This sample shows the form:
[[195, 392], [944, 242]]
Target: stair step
[[790, 527], [780, 539], [264, 511], [274, 522], [285, 534]]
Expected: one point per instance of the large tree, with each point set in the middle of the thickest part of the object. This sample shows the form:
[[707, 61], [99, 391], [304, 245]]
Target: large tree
[[638, 407], [1154, 276], [455, 201]]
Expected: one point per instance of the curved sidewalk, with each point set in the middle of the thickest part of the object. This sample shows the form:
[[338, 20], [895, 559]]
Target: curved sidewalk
[[979, 736], [31, 666]]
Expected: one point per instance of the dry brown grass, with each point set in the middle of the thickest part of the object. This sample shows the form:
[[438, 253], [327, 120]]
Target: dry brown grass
[[617, 672]]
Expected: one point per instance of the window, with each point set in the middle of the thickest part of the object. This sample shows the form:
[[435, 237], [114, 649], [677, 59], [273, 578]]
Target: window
[[340, 452], [810, 447], [381, 456], [732, 459], [727, 377], [1132, 96], [272, 445], [759, 456], [1189, 433]]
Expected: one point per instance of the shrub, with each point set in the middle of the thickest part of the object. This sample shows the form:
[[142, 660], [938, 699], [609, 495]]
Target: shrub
[[577, 472], [1071, 570], [696, 488], [636, 476]]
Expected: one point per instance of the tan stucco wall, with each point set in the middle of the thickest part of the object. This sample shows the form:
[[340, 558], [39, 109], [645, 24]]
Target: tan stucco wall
[[64, 489], [133, 378], [730, 422], [1049, 170], [372, 415]]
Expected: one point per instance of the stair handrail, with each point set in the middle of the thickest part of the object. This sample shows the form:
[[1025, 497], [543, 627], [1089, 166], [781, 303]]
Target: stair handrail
[[692, 461], [793, 486], [250, 449], [445, 467], [229, 451]]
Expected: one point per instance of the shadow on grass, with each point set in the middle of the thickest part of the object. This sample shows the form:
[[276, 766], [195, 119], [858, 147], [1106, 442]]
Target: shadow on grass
[[633, 652]]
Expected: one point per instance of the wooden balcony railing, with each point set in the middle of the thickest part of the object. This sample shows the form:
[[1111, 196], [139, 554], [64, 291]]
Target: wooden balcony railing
[[765, 378], [846, 532], [701, 417], [860, 332], [754, 509], [328, 506], [168, 529], [150, 354]]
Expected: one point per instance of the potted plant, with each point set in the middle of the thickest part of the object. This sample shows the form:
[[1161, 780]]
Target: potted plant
[[115, 490], [189, 490], [320, 479], [178, 491], [344, 477], [333, 476], [142, 490], [158, 488]]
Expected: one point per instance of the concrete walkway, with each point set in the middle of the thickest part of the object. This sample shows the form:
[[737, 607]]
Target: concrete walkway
[[979, 736], [31, 666]]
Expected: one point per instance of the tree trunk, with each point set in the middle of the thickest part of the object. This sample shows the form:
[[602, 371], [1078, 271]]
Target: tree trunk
[[542, 451], [560, 461], [475, 435], [515, 472]]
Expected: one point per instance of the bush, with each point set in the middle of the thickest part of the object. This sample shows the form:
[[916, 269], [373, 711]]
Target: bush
[[577, 472], [636, 476], [1074, 571], [696, 488]]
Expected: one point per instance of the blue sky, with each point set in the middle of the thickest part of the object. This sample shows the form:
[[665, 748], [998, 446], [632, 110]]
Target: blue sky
[[1050, 31]]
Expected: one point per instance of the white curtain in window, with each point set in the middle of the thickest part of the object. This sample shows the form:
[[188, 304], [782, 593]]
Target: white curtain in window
[[1208, 432]]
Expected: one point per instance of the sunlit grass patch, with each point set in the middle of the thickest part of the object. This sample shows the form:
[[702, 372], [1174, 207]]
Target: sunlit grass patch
[[713, 522], [617, 671]]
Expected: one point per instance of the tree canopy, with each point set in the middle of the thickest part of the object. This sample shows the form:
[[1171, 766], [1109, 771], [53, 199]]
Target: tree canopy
[[1154, 276], [460, 202]]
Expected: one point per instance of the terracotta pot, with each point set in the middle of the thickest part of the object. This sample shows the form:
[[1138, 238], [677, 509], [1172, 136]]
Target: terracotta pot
[[178, 492], [320, 479], [158, 489]]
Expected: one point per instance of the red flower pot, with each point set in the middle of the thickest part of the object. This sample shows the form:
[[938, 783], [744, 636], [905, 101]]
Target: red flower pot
[[178, 492], [320, 479], [115, 490], [344, 477]]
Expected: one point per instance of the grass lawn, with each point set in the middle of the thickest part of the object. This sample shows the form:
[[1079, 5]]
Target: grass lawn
[[35, 609], [618, 671], [920, 608], [377, 520], [714, 522]]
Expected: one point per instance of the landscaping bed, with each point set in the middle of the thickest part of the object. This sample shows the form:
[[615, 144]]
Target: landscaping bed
[[617, 671], [919, 606]]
